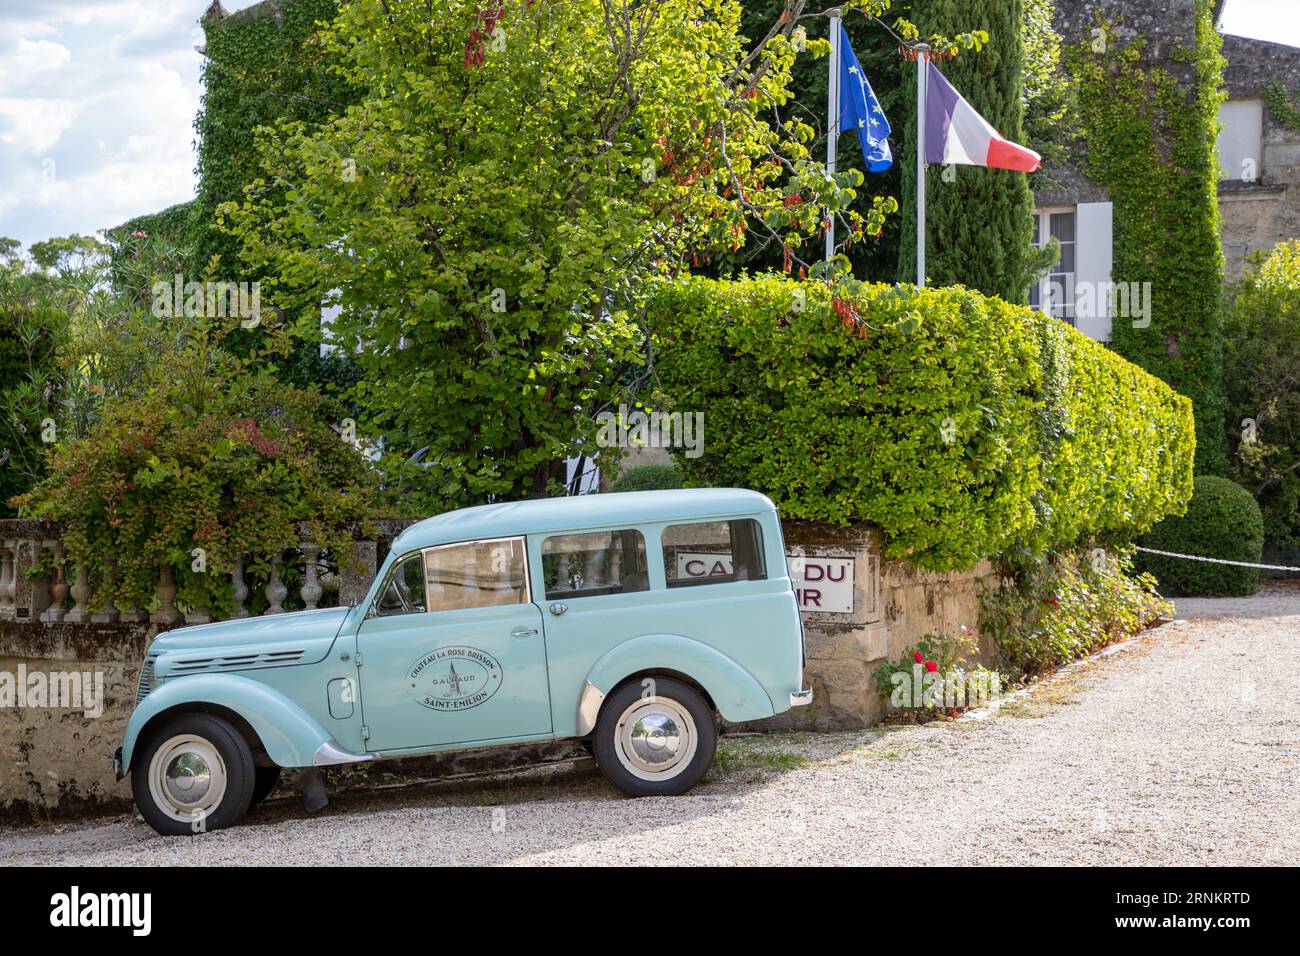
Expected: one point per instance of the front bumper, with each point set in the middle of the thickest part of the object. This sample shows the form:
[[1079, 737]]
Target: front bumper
[[801, 698], [117, 764]]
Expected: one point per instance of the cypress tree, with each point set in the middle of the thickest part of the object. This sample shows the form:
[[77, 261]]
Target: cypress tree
[[979, 222]]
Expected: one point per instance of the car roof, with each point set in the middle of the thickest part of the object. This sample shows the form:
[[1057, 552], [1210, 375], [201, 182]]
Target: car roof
[[541, 515]]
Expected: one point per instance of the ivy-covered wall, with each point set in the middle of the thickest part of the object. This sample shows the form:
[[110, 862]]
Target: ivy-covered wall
[[1149, 120], [263, 64]]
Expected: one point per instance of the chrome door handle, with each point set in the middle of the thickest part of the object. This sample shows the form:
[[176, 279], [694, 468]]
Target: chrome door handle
[[557, 609], [523, 632]]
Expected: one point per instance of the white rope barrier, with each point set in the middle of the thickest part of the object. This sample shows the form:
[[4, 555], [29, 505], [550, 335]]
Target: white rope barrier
[[1197, 557]]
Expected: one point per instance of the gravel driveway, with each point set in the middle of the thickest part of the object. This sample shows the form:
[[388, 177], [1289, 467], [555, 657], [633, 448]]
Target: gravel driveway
[[1179, 747]]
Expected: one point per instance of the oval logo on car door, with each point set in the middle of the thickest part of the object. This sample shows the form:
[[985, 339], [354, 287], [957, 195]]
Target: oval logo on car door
[[454, 678]]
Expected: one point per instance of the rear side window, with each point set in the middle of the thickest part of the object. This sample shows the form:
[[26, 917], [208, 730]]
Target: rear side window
[[713, 552], [594, 563]]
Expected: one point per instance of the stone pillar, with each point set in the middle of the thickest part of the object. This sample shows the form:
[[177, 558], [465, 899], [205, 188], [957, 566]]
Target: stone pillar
[[240, 589], [7, 609], [31, 595], [58, 584], [80, 613], [276, 592], [311, 590], [165, 591], [836, 573]]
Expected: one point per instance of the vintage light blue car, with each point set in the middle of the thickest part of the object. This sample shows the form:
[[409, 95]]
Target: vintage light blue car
[[627, 620]]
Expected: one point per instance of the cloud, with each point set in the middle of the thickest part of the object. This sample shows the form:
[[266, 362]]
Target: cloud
[[97, 104]]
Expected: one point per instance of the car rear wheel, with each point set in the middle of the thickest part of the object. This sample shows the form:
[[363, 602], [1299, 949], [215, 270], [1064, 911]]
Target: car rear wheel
[[195, 774], [655, 739]]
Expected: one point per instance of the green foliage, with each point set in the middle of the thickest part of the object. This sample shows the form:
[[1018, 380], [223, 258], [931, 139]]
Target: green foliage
[[648, 478], [171, 228], [979, 226], [1150, 133], [1262, 376], [1222, 521], [963, 426], [33, 329], [206, 451], [487, 250], [1047, 90], [1280, 105], [264, 65], [875, 257], [1068, 606]]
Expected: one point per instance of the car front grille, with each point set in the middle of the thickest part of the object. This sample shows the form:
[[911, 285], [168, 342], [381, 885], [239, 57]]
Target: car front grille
[[146, 679]]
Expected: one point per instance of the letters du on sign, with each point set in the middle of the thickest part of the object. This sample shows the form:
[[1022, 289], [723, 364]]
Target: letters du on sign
[[821, 584]]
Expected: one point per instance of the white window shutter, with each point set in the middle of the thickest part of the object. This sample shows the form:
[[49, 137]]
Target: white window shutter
[[1092, 269]]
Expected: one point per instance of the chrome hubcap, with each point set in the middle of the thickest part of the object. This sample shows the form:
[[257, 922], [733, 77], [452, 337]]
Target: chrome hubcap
[[656, 738], [187, 778]]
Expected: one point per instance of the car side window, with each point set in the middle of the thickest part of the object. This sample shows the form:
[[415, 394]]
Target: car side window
[[476, 574], [713, 552], [594, 563], [404, 592]]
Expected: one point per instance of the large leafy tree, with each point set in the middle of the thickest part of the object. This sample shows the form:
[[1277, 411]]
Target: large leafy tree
[[978, 221], [482, 216]]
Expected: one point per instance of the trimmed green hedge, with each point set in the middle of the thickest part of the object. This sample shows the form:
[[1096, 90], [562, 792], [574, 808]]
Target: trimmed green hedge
[[963, 426], [1222, 521], [647, 478]]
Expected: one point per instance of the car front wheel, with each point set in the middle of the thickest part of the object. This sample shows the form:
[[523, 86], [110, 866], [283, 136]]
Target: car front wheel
[[195, 774], [655, 737]]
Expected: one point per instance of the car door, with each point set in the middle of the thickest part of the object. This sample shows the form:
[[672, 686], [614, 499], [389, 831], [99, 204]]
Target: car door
[[452, 651]]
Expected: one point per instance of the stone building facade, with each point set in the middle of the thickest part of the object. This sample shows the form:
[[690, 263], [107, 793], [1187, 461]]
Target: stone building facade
[[1259, 154]]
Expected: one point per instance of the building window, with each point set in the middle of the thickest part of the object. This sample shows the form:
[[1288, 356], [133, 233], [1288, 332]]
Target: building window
[[1240, 145], [1055, 293]]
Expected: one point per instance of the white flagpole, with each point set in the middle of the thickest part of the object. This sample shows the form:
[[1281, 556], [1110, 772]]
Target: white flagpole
[[922, 58], [833, 127]]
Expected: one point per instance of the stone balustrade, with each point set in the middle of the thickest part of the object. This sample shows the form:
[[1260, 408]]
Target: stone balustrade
[[67, 593]]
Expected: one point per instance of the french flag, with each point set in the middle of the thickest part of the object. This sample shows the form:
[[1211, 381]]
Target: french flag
[[955, 133]]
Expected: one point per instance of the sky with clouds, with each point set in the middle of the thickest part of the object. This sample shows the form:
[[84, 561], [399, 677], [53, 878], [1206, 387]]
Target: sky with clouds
[[97, 104]]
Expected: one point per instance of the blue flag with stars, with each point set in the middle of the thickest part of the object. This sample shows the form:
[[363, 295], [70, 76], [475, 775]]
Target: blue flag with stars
[[860, 110]]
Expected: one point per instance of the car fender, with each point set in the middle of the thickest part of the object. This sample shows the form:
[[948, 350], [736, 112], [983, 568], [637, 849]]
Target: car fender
[[291, 737], [735, 692]]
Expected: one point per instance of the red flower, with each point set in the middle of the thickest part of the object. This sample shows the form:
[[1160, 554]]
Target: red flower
[[920, 658], [1052, 601], [931, 666]]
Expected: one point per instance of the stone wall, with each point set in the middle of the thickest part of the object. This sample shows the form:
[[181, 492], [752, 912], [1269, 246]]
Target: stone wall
[[57, 761], [894, 606]]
